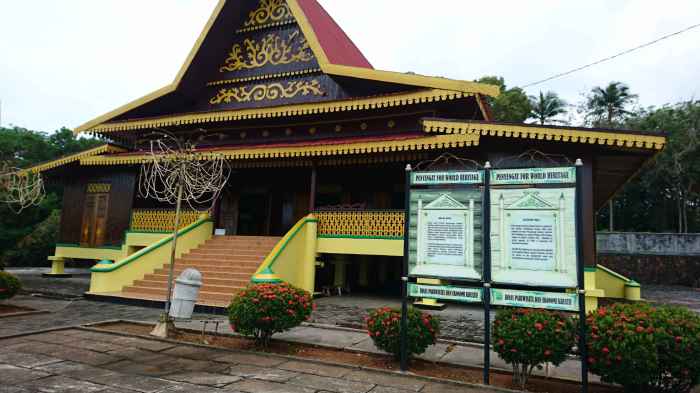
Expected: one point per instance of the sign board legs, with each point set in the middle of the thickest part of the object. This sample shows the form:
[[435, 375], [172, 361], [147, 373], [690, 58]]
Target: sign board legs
[[583, 348], [404, 276]]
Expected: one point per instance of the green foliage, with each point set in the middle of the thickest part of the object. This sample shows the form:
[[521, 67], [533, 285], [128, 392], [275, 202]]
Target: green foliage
[[262, 310], [512, 105], [664, 197], [645, 349], [608, 106], [9, 285], [33, 249], [384, 327], [546, 106], [20, 147], [528, 338]]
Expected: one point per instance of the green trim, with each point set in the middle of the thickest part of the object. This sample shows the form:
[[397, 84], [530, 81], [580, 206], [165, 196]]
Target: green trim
[[286, 240], [150, 248], [633, 283], [68, 245], [589, 269], [149, 232], [75, 245], [614, 274], [360, 237]]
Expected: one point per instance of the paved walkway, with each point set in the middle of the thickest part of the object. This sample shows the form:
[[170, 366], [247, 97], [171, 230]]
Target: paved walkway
[[85, 361]]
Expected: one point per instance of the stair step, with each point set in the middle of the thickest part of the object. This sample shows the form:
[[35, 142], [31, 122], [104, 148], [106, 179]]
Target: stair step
[[206, 287], [203, 296], [208, 253], [213, 260], [218, 279]]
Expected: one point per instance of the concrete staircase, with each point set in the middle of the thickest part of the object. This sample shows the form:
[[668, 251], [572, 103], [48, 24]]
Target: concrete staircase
[[227, 264]]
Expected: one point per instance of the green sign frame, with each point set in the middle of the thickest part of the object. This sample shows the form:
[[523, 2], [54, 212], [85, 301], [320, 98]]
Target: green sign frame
[[446, 292], [560, 301], [559, 175], [446, 178]]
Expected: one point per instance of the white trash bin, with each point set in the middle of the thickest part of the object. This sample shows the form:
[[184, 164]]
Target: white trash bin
[[185, 294]]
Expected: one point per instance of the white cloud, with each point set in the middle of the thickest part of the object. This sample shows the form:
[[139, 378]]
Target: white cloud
[[63, 63]]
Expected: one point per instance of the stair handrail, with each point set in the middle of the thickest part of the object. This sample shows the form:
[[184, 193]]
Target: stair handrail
[[106, 268], [271, 258]]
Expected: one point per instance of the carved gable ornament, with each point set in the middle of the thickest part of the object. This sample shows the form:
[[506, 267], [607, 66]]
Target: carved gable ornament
[[268, 12], [531, 201], [445, 202], [272, 49]]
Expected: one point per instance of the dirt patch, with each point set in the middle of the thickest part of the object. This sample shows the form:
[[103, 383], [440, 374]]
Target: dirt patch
[[8, 310], [419, 367]]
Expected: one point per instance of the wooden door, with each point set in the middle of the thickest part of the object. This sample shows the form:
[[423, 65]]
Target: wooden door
[[228, 213], [94, 219]]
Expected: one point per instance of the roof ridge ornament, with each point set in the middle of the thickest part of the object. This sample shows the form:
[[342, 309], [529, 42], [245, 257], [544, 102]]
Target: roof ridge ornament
[[268, 11]]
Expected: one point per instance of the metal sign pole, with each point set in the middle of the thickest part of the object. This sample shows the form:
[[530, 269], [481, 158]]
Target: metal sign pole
[[486, 267], [404, 276], [583, 348]]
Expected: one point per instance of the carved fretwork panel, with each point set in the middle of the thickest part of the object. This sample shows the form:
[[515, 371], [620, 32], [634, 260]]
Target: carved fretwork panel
[[271, 92]]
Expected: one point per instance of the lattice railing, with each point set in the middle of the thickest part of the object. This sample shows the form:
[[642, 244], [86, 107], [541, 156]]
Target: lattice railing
[[160, 220], [379, 224]]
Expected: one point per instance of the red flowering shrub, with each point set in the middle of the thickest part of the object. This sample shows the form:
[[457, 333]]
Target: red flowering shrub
[[262, 310], [9, 285], [645, 349], [384, 326], [528, 338]]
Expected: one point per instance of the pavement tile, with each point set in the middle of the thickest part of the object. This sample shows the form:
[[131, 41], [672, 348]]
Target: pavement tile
[[151, 370], [188, 388], [332, 384], [434, 352], [197, 365], [36, 347], [255, 386], [204, 378], [11, 375], [139, 355], [366, 345], [193, 352], [386, 389], [250, 359], [315, 368], [262, 373], [142, 343], [318, 336], [84, 356], [15, 389], [29, 360], [60, 384], [447, 388], [6, 342], [75, 370], [58, 337], [387, 380], [137, 383], [93, 345], [472, 356]]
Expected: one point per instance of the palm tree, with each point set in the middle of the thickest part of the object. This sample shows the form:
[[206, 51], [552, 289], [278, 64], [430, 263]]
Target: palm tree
[[609, 103], [546, 106]]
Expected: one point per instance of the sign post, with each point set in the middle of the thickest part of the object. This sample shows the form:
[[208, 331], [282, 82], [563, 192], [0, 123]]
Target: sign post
[[404, 276], [581, 287], [486, 252]]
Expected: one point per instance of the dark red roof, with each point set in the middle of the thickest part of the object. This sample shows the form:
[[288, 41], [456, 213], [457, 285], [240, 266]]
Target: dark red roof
[[338, 46]]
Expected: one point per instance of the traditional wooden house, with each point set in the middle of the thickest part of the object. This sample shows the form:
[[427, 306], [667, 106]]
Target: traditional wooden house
[[318, 141]]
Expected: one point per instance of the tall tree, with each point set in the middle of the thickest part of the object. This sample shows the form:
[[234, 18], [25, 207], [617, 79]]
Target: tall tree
[[608, 106], [512, 105], [546, 106]]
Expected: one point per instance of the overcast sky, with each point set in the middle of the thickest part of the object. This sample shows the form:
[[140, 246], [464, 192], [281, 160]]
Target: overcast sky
[[65, 62]]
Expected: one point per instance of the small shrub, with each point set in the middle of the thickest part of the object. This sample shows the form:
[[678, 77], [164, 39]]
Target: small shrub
[[9, 285], [528, 338], [384, 326], [645, 349], [262, 310]]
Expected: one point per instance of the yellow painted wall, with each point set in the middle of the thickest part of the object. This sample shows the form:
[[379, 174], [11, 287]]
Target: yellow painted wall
[[113, 277], [89, 253], [612, 283], [293, 259], [143, 238], [351, 246]]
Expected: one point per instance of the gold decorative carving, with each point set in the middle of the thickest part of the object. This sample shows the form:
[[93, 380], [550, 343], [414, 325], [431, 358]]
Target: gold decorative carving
[[160, 220], [268, 11], [361, 223], [272, 49], [98, 188], [269, 92]]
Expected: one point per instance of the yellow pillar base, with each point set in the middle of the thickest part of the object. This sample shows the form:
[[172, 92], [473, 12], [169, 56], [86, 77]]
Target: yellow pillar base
[[633, 291], [57, 268]]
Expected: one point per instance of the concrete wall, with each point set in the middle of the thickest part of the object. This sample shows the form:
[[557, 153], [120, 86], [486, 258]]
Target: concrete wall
[[652, 258], [632, 243]]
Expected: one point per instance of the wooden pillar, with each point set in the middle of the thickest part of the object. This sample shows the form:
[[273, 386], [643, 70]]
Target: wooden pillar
[[312, 190]]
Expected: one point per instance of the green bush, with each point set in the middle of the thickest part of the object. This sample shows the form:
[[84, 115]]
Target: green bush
[[9, 285], [384, 326], [262, 310], [32, 249], [528, 338], [645, 349]]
